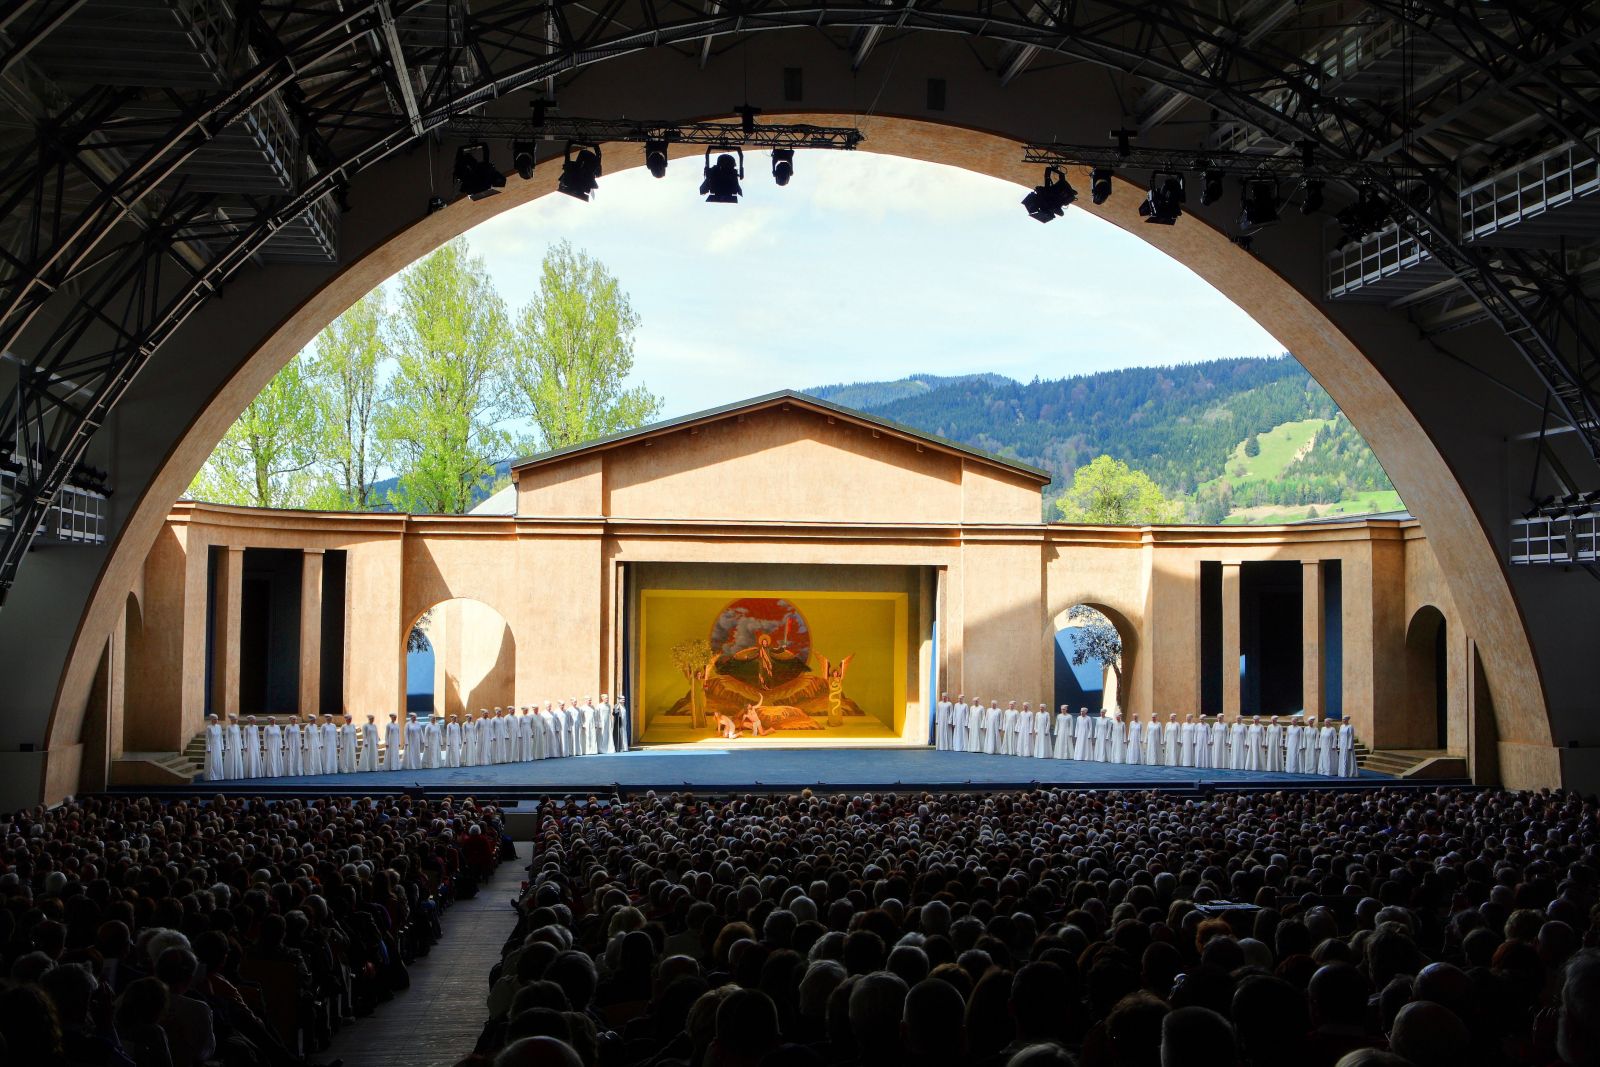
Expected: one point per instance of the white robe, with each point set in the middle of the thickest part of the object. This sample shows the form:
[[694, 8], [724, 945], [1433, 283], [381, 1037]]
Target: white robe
[[368, 757], [1273, 736], [1063, 746], [272, 742], [313, 748], [1308, 750], [1292, 750], [1189, 742], [1171, 739], [1082, 737], [941, 725], [252, 751], [392, 745], [975, 717], [1135, 742], [624, 725], [1152, 743], [992, 724], [1326, 736], [1252, 748], [233, 751], [452, 744], [294, 760], [1348, 767], [1237, 739], [506, 727], [1041, 733], [1114, 740], [214, 760], [1011, 720], [330, 748], [347, 748], [487, 737], [469, 734], [958, 728], [433, 744]]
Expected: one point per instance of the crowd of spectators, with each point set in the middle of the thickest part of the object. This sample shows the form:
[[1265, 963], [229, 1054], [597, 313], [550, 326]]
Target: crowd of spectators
[[1380, 928], [231, 931]]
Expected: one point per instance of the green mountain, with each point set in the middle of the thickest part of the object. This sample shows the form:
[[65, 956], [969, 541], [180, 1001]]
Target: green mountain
[[1188, 426]]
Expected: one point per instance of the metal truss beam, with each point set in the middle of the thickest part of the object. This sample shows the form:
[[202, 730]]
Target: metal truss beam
[[591, 131]]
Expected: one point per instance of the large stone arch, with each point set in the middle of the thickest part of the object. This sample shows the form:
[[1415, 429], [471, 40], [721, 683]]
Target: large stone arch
[[1129, 698], [169, 427]]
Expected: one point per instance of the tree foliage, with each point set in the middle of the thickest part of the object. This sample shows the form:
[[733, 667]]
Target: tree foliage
[[1109, 491], [1095, 639], [265, 457], [572, 352], [346, 364]]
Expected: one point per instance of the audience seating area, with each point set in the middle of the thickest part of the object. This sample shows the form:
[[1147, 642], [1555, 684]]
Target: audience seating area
[[1111, 929], [232, 931]]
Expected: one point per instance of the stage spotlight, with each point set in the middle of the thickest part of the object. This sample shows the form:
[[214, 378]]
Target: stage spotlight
[[580, 172], [1368, 215], [1163, 205], [524, 154], [721, 184], [475, 175], [1259, 205], [1211, 187], [1312, 201], [1100, 184], [435, 203], [1050, 200], [782, 165], [655, 158]]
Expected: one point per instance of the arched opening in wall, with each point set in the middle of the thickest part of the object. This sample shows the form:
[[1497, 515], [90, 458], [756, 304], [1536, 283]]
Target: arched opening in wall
[[460, 656], [1093, 649], [1427, 701]]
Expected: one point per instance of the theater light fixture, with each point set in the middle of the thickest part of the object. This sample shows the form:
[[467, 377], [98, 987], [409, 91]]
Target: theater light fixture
[[1100, 184], [435, 203], [721, 184], [1050, 200], [580, 171], [655, 158], [1163, 204], [1211, 187], [475, 176], [1311, 202], [782, 165], [1368, 215], [524, 154], [1260, 203]]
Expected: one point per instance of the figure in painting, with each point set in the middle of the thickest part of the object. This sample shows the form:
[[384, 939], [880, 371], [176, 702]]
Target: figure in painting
[[835, 679], [766, 652]]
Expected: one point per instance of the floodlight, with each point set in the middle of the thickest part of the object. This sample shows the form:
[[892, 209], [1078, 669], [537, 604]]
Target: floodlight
[[524, 154], [721, 184], [782, 165], [1100, 184], [1163, 205], [580, 170], [475, 176], [655, 158], [1049, 200]]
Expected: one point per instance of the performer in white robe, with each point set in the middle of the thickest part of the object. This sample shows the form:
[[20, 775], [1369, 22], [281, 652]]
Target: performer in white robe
[[348, 739], [411, 736], [330, 745], [975, 716], [233, 750], [1134, 752], [572, 738], [1043, 743], [1308, 747], [1272, 739], [522, 732], [1188, 742], [272, 749], [1016, 721], [392, 731], [546, 725], [250, 739], [432, 744], [1065, 723], [1083, 736], [1115, 736], [608, 725], [591, 728], [1171, 738], [1348, 767], [1238, 738], [535, 733], [1023, 745], [624, 724], [941, 722], [469, 735], [1326, 737], [558, 729], [502, 736], [293, 754], [313, 745], [367, 754], [487, 733], [1292, 747], [1253, 751], [452, 742], [214, 747], [992, 725], [1219, 744], [957, 741]]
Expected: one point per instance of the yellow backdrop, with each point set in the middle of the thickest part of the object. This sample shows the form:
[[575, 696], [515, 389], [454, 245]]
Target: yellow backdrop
[[869, 627]]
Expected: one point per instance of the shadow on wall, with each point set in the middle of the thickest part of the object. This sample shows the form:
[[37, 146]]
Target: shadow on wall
[[469, 661]]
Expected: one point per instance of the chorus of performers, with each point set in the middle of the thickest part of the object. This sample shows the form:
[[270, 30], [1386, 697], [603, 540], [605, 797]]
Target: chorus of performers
[[276, 747], [1288, 744]]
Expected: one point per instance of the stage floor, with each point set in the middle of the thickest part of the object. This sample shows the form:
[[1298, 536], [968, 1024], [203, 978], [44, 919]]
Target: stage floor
[[740, 766]]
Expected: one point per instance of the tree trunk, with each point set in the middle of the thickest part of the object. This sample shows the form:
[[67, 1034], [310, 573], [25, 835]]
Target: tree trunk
[[697, 703]]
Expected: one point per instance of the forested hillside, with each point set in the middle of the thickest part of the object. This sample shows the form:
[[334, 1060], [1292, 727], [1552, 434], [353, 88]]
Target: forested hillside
[[1186, 426]]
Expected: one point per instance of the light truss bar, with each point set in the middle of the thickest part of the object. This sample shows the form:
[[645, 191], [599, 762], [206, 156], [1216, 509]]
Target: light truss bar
[[1240, 164], [599, 131]]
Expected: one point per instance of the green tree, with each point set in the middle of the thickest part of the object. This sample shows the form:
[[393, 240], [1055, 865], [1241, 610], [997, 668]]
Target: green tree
[[573, 350], [345, 374], [1252, 445], [1095, 638], [442, 426], [265, 457], [1108, 491]]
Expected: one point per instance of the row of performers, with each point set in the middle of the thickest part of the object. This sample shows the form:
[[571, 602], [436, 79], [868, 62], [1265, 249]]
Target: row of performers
[[267, 749], [1300, 746]]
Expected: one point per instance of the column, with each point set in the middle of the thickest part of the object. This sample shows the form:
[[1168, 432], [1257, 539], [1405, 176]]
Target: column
[[229, 594], [1311, 636], [1230, 641], [311, 631]]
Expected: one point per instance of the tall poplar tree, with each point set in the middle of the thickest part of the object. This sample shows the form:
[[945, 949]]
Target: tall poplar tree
[[345, 376], [442, 425], [265, 458], [572, 353]]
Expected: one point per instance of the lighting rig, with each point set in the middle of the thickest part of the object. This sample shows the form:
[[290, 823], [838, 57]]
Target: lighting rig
[[1267, 183], [580, 140]]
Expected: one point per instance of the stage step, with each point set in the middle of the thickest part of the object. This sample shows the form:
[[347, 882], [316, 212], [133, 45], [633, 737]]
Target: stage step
[[1415, 763]]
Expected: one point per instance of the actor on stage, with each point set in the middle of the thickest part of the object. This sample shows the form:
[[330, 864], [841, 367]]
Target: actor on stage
[[272, 749], [1238, 737], [1042, 741], [1135, 740], [251, 741], [1115, 738], [624, 725], [1013, 720], [367, 756], [1308, 747], [1083, 736], [391, 743], [1219, 744], [1293, 747], [941, 721], [1348, 768], [453, 745], [1325, 741], [993, 724], [214, 747], [1254, 752], [1102, 735], [975, 717], [958, 724], [293, 755], [1062, 747], [347, 746], [608, 725], [1273, 736], [725, 726]]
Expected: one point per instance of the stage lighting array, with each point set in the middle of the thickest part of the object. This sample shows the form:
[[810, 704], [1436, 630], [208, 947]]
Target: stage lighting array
[[782, 165], [1259, 204], [524, 154], [1163, 204], [580, 171], [475, 176], [1050, 199], [721, 184], [1210, 187], [1369, 214], [1100, 184], [1572, 505], [655, 158]]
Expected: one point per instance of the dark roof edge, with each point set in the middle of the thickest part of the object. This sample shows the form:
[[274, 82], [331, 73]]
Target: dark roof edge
[[709, 414]]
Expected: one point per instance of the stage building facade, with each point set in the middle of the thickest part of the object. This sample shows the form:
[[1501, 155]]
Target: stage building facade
[[832, 570]]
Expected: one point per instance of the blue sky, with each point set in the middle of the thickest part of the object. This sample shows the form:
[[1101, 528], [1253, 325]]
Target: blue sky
[[866, 267]]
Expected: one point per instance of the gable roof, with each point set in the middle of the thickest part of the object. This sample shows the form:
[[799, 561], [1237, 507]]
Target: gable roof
[[781, 398]]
